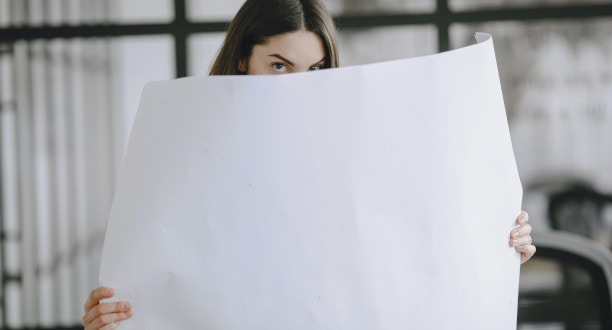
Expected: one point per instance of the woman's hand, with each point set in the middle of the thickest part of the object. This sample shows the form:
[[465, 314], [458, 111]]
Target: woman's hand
[[107, 315], [520, 238]]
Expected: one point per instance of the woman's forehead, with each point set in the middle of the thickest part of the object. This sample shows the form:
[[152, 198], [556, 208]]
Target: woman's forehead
[[299, 47]]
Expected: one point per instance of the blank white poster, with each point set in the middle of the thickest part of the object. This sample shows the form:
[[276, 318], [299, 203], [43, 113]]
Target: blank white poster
[[378, 196]]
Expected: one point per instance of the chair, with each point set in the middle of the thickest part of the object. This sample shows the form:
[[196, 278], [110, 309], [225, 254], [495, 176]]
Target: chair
[[579, 208], [567, 284]]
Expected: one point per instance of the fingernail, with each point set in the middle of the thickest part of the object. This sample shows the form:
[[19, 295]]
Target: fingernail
[[125, 306], [515, 242], [514, 234]]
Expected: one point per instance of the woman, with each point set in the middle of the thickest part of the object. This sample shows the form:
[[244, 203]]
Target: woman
[[272, 37]]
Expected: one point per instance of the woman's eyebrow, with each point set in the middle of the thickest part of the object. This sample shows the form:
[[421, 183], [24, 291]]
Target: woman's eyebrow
[[322, 60], [282, 58]]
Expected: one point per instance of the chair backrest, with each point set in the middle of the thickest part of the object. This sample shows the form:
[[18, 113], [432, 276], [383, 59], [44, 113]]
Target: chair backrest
[[579, 209], [567, 284]]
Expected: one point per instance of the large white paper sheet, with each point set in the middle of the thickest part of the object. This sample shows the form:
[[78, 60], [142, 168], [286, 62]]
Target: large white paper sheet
[[371, 197]]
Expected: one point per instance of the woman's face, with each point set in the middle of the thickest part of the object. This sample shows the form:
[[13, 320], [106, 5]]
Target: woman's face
[[297, 51]]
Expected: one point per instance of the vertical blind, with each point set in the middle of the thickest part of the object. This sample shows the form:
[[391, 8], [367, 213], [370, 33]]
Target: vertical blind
[[58, 167]]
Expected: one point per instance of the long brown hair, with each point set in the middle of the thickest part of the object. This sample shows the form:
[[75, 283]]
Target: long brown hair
[[258, 20]]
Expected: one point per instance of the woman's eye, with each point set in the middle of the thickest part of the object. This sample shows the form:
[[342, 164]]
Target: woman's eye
[[316, 67], [280, 67]]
